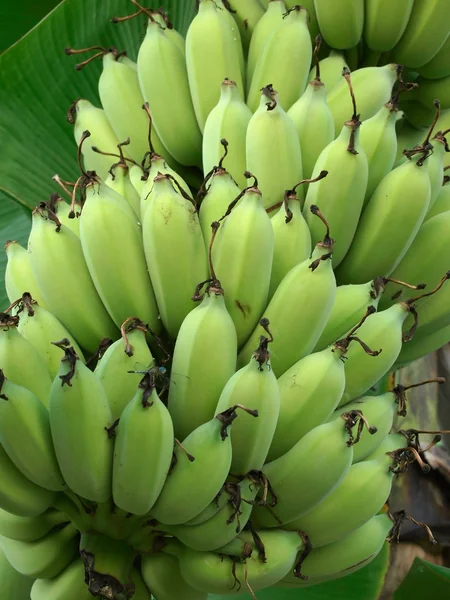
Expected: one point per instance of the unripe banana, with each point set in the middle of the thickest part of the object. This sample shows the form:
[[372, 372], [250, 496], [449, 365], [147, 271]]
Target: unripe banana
[[220, 193], [19, 277], [425, 33], [58, 264], [186, 491], [331, 69], [385, 23], [421, 345], [212, 53], [392, 216], [372, 87], [226, 523], [68, 584], [161, 573], [251, 438], [292, 239], [273, 149], [288, 45], [226, 14], [87, 117], [298, 310], [340, 195], [63, 210], [14, 585], [28, 529], [213, 507], [164, 83], [44, 558], [360, 495], [207, 337], [436, 165], [175, 36], [313, 121], [119, 181], [242, 256], [26, 437], [20, 361], [40, 327], [349, 307], [171, 229], [442, 202], [228, 120], [103, 221], [392, 442], [79, 419], [439, 65], [271, 19], [321, 458], [145, 429], [214, 573], [247, 14], [118, 368], [407, 137], [430, 89], [341, 24], [138, 179], [434, 313], [18, 495]]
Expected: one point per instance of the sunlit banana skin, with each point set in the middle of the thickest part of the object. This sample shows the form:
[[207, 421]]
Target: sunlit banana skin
[[19, 276], [163, 79], [290, 43], [385, 23], [161, 573], [119, 181], [247, 14], [331, 69], [207, 337], [171, 229], [145, 429], [68, 294], [211, 55], [341, 24], [273, 149], [227, 120]]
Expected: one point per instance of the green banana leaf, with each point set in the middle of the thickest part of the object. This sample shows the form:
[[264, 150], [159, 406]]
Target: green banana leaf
[[423, 579], [38, 82]]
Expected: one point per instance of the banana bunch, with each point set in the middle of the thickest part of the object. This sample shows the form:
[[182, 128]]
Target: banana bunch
[[256, 238]]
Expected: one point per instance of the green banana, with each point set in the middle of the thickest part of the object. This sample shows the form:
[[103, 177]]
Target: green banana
[[217, 574], [118, 368], [213, 507], [331, 69], [424, 35], [177, 38], [64, 211], [309, 392], [57, 261], [421, 345], [18, 495], [313, 120], [354, 551], [206, 334], [407, 137], [19, 277], [340, 195], [392, 216], [79, 419], [251, 439], [271, 19], [228, 120], [141, 591], [385, 23], [434, 311], [340, 24], [213, 52], [14, 585], [247, 14], [219, 194], [40, 327], [119, 181], [392, 442], [349, 306], [289, 45], [163, 79], [68, 584], [429, 89], [187, 491], [104, 222], [273, 149], [138, 177], [242, 253], [292, 239], [44, 558], [442, 202], [438, 66], [161, 573], [226, 523], [20, 361], [25, 435], [372, 87], [144, 429], [322, 458], [298, 309], [29, 529], [88, 117], [171, 230]]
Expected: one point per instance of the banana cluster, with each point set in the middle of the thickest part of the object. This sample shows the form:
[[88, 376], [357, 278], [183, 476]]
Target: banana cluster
[[187, 362]]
